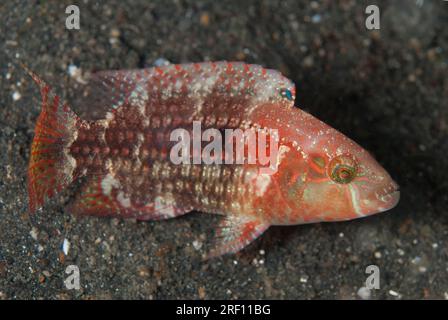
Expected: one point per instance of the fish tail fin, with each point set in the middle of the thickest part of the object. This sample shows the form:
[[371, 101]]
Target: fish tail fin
[[51, 167]]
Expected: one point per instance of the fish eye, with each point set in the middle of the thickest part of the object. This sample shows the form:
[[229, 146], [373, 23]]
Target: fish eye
[[286, 93], [343, 174], [343, 169]]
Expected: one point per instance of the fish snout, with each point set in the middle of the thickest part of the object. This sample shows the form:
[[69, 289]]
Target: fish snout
[[387, 197]]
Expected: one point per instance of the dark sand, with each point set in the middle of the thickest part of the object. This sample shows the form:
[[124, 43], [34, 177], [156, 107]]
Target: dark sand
[[387, 90]]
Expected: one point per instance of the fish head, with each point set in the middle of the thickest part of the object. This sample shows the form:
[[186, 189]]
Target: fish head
[[325, 176]]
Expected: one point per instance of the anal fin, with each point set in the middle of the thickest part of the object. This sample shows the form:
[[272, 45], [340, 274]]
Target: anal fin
[[93, 201], [102, 196], [235, 232]]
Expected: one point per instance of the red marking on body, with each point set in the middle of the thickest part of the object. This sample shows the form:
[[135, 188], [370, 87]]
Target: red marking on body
[[125, 152], [159, 71], [246, 68], [197, 67], [316, 168], [229, 69], [247, 231]]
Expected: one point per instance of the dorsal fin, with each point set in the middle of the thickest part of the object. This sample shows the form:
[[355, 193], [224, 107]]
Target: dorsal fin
[[229, 84]]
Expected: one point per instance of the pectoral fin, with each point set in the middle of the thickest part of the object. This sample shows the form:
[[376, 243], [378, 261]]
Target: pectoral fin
[[235, 232]]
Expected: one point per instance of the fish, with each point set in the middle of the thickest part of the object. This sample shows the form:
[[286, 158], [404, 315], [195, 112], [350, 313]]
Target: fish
[[125, 158]]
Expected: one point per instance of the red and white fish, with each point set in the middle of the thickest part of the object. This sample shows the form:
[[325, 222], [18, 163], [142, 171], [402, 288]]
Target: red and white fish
[[322, 175]]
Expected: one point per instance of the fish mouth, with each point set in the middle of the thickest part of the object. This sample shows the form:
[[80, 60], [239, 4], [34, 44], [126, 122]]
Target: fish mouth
[[386, 191], [390, 196]]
